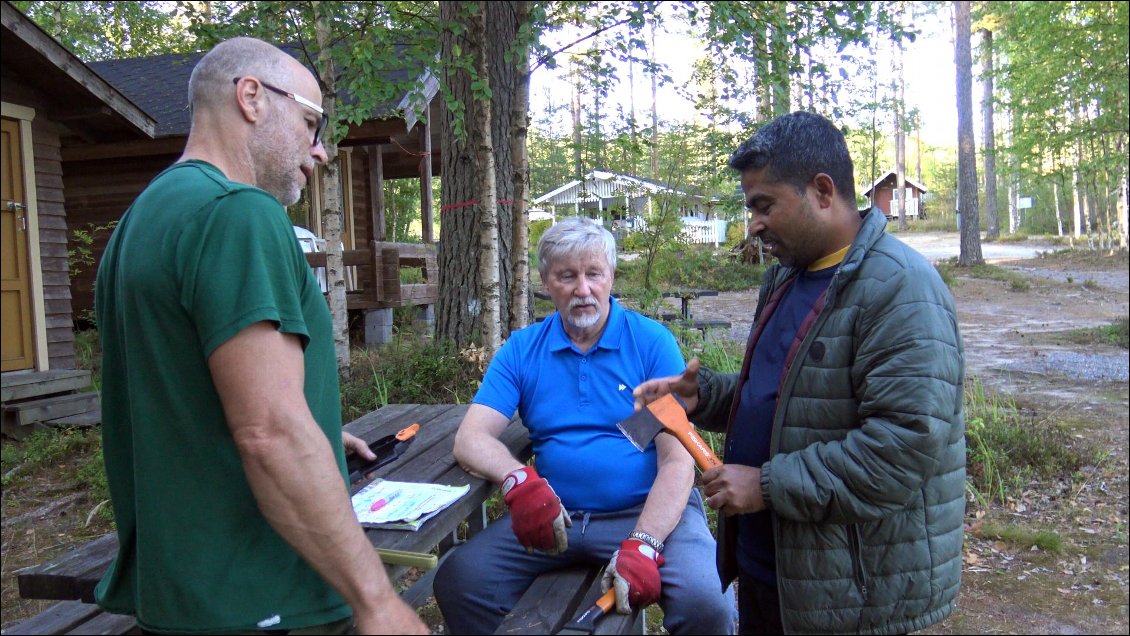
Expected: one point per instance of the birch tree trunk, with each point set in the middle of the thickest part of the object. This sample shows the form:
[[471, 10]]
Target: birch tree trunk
[[332, 199], [520, 313], [970, 251], [992, 223], [485, 188]]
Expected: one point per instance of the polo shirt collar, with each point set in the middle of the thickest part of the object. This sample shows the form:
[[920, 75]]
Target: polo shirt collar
[[610, 339]]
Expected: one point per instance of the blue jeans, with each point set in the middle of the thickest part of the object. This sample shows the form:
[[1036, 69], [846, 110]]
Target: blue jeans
[[481, 582]]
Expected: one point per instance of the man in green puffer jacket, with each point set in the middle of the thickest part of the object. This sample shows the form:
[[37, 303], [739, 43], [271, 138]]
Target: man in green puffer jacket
[[843, 486]]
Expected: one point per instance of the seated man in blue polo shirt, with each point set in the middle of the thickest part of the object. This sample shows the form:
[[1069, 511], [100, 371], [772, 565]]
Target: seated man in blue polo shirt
[[593, 497]]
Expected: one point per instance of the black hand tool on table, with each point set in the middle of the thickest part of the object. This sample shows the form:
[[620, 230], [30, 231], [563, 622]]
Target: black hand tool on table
[[585, 622], [667, 415], [387, 449]]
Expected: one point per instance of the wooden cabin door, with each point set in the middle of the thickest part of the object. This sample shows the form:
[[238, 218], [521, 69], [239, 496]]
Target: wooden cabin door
[[17, 349]]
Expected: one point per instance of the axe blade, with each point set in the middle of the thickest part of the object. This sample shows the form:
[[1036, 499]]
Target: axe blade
[[667, 414]]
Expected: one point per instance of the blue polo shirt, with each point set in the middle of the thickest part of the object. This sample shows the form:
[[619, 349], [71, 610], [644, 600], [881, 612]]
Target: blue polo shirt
[[570, 402]]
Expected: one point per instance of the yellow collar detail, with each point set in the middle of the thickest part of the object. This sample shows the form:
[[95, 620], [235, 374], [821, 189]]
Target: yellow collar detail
[[835, 258]]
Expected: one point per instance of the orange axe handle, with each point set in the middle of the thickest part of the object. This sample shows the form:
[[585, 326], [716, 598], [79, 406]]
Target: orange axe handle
[[674, 419]]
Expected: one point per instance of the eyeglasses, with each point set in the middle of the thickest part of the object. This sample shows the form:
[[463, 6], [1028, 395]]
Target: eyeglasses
[[301, 100]]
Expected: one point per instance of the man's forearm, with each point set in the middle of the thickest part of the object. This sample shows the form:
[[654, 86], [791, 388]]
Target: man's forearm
[[485, 456], [668, 497], [300, 491]]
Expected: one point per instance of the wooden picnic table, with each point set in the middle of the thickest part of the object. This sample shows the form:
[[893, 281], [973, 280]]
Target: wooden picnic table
[[686, 296], [429, 458]]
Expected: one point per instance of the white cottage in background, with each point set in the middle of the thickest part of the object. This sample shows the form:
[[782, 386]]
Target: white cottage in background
[[629, 200]]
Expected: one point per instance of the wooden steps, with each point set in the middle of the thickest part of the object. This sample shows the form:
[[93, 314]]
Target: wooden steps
[[34, 400]]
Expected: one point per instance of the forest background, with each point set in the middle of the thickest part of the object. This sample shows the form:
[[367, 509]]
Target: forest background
[[1051, 122]]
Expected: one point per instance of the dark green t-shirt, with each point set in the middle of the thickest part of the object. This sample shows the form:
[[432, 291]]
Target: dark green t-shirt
[[194, 261]]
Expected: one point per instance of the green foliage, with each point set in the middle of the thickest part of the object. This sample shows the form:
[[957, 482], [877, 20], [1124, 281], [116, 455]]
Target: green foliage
[[109, 30], [88, 355], [1005, 450], [407, 371], [697, 267]]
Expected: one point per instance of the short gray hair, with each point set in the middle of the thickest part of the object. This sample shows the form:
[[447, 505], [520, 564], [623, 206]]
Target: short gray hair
[[571, 236], [213, 74]]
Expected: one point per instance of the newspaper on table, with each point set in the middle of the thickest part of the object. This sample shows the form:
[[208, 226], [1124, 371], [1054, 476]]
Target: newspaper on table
[[402, 505]]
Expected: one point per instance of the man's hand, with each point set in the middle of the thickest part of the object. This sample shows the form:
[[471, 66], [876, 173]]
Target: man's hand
[[392, 617], [356, 446], [733, 489], [684, 385], [536, 514], [634, 572]]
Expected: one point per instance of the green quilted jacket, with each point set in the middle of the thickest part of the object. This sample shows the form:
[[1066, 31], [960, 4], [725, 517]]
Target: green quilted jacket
[[866, 479]]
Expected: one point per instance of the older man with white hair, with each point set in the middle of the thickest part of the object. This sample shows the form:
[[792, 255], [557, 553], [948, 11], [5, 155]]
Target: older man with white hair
[[592, 497]]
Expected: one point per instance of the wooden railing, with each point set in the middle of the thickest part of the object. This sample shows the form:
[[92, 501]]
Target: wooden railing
[[379, 285]]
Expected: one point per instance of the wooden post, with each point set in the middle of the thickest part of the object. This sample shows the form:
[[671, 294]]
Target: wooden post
[[426, 216], [377, 183]]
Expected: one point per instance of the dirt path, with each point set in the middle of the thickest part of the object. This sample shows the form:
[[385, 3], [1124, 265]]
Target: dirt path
[[1012, 349]]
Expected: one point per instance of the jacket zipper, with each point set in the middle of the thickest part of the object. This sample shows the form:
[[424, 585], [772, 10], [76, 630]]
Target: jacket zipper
[[857, 560]]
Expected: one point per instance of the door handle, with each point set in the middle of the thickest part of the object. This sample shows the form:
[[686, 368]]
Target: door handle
[[15, 206]]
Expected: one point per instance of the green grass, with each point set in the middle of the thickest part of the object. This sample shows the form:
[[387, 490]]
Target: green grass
[[1023, 538], [1005, 450], [1115, 334], [948, 270], [51, 449]]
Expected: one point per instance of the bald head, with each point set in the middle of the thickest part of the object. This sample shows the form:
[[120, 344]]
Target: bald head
[[211, 80]]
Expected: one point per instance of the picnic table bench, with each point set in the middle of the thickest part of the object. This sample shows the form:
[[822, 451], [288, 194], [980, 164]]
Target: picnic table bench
[[551, 601]]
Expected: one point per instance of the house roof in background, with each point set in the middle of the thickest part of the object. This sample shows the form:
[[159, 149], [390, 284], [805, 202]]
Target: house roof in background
[[891, 175], [159, 84], [604, 185], [90, 106]]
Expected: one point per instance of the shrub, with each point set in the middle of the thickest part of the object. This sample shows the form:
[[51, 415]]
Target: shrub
[[406, 371]]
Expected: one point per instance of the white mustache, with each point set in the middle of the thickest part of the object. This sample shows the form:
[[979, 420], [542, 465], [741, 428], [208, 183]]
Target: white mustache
[[582, 302]]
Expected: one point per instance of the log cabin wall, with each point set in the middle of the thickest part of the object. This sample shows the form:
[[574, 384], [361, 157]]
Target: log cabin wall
[[99, 191]]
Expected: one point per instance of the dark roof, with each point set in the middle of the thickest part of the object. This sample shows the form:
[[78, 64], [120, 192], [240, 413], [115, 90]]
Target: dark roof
[[159, 85]]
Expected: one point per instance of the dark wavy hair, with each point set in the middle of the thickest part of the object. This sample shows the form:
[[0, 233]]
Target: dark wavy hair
[[795, 148]]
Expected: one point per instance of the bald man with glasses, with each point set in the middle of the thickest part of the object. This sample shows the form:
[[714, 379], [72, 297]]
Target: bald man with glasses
[[221, 407]]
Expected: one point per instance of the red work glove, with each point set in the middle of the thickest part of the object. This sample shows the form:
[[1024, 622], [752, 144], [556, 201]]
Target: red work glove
[[536, 514], [634, 572]]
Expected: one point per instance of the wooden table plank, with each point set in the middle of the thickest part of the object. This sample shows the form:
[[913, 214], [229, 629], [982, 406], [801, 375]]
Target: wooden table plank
[[428, 459]]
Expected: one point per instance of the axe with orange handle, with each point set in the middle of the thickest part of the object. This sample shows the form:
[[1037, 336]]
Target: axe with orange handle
[[667, 415]]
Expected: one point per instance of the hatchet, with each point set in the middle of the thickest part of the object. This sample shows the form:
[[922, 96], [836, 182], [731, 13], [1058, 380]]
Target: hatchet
[[667, 415]]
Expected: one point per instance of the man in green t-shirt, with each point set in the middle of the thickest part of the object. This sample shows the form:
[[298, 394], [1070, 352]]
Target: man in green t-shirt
[[221, 410]]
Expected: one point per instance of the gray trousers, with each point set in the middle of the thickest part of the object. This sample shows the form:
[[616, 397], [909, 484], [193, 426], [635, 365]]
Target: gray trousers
[[481, 582]]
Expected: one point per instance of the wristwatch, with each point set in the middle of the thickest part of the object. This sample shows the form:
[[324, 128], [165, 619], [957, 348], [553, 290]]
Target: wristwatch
[[655, 544]]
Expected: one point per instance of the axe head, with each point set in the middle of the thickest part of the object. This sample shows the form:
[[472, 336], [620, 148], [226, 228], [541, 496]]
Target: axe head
[[666, 413]]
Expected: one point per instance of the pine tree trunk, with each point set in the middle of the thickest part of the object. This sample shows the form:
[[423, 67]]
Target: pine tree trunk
[[332, 201], [900, 138], [575, 111], [970, 251], [654, 112], [992, 224], [461, 305]]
